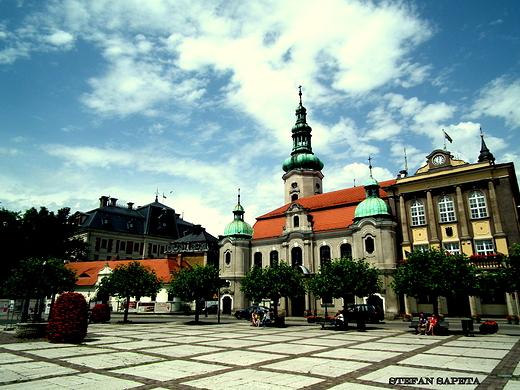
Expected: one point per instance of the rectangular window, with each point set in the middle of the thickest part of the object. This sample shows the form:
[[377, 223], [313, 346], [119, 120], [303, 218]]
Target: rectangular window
[[420, 248], [485, 247], [453, 248], [122, 245], [136, 247], [104, 243]]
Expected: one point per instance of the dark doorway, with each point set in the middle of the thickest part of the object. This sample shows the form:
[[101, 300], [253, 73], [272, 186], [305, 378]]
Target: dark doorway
[[458, 306], [226, 305], [298, 307]]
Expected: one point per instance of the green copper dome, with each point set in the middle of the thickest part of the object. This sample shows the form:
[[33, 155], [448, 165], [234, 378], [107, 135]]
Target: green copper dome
[[302, 162], [238, 229], [373, 205], [302, 158]]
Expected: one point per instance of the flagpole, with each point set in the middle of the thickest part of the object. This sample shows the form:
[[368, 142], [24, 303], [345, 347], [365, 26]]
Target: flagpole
[[444, 138]]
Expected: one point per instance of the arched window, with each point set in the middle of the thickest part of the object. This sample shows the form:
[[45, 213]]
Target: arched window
[[346, 251], [294, 197], [296, 256], [477, 205], [296, 221], [324, 255], [258, 259], [446, 209], [273, 258], [369, 245], [417, 211], [228, 258]]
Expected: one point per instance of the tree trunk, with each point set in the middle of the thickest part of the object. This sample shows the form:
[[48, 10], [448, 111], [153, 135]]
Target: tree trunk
[[25, 310], [127, 306], [275, 303], [197, 309]]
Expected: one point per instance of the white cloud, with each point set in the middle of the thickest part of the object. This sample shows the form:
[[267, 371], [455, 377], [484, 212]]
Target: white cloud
[[500, 98], [60, 38]]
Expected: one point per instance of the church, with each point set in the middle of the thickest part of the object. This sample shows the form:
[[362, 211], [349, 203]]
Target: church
[[448, 203]]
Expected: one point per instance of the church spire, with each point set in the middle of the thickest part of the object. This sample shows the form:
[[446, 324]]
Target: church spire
[[485, 154], [302, 157]]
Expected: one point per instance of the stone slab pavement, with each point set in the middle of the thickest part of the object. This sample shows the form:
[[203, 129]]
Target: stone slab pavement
[[178, 355]]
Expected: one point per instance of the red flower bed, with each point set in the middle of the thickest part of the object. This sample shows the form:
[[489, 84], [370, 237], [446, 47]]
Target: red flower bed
[[101, 313], [68, 321]]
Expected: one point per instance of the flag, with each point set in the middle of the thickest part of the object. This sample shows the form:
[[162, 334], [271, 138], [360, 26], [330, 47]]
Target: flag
[[447, 136]]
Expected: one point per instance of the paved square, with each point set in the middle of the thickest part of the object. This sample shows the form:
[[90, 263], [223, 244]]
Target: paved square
[[112, 360], [68, 351], [87, 381], [10, 358], [317, 366], [251, 379], [357, 354], [177, 351], [173, 369], [31, 370], [240, 358], [290, 348], [452, 362]]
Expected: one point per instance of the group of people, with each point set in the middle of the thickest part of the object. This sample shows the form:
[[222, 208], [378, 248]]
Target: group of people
[[427, 325], [259, 318]]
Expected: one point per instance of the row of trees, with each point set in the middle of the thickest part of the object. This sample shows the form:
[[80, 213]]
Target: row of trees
[[438, 273]]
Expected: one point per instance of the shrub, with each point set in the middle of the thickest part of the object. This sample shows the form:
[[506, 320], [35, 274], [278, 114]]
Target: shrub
[[68, 321], [101, 313]]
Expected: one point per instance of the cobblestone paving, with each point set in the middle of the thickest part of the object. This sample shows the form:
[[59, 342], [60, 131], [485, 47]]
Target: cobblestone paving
[[235, 355]]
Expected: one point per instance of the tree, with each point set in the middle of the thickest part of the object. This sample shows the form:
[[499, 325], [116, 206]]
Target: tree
[[38, 278], [130, 280], [273, 282], [40, 234], [434, 272], [195, 284], [344, 277]]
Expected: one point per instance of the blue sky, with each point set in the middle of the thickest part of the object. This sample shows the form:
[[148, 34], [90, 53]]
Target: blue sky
[[196, 99]]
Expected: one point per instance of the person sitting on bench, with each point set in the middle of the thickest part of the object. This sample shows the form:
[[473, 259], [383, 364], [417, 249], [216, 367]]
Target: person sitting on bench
[[338, 320], [432, 323], [422, 322]]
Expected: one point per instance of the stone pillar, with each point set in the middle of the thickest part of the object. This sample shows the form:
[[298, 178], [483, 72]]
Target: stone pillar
[[473, 306], [462, 213], [404, 221], [432, 222]]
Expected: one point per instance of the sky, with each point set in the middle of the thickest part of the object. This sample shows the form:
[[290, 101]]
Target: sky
[[192, 100]]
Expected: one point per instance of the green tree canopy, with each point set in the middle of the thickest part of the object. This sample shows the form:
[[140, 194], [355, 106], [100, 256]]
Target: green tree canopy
[[434, 272], [343, 277], [130, 280], [273, 282], [40, 234], [38, 278], [195, 283]]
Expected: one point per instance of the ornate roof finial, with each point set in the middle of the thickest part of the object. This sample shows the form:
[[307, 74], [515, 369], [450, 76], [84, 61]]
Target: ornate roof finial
[[300, 93], [239, 196], [370, 165], [485, 154]]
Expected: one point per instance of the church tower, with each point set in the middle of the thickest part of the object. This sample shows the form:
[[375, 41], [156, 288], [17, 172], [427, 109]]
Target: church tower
[[303, 175]]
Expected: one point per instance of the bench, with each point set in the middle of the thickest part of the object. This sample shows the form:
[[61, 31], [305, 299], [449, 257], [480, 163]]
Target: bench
[[327, 323], [443, 327]]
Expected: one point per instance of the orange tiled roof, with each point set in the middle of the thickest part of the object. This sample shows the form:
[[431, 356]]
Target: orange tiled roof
[[87, 271], [330, 211]]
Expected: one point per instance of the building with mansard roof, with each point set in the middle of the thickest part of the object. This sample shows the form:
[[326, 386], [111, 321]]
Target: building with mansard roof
[[451, 204], [155, 230]]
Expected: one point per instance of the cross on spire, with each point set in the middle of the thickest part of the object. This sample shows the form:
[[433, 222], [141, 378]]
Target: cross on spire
[[300, 93], [239, 196]]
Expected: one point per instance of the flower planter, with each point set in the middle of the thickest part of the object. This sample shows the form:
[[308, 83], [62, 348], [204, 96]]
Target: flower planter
[[513, 321], [489, 327], [29, 330], [407, 319], [311, 320]]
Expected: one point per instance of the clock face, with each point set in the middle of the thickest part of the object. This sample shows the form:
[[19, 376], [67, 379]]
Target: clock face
[[439, 159]]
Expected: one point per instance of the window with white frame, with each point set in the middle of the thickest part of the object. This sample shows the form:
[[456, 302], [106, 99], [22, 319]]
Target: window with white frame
[[417, 211], [477, 205], [485, 247], [446, 209], [453, 248]]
